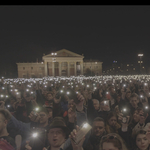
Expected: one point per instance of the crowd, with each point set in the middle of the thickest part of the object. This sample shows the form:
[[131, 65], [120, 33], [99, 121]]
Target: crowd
[[75, 113]]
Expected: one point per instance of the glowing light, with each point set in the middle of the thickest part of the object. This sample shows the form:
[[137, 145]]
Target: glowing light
[[140, 54], [85, 125], [35, 135], [36, 109], [124, 109]]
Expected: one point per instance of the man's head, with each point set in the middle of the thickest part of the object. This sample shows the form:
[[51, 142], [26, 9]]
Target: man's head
[[134, 100], [112, 119], [57, 98], [58, 133], [128, 93], [98, 126], [96, 104], [49, 96], [4, 118], [44, 116]]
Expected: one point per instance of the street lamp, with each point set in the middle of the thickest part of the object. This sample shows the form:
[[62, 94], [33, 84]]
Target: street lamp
[[140, 55]]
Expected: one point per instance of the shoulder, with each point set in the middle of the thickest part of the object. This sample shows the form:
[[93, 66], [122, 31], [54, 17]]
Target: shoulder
[[10, 140]]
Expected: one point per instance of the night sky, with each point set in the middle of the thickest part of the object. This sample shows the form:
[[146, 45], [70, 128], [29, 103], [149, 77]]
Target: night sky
[[104, 32]]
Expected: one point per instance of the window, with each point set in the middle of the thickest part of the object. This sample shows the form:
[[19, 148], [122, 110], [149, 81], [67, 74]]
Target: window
[[23, 68]]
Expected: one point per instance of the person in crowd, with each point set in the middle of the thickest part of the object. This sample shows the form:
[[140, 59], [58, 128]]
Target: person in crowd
[[112, 141], [134, 102], [57, 109], [6, 142], [112, 124], [143, 114], [141, 142], [98, 130], [49, 98]]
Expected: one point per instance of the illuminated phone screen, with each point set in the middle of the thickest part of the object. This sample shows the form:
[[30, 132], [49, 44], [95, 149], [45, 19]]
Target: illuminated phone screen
[[84, 129]]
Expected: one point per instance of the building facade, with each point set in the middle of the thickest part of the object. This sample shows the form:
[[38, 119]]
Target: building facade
[[60, 63]]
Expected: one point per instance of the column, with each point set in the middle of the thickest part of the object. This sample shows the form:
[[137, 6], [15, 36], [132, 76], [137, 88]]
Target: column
[[53, 73], [68, 68], [45, 67], [59, 68], [75, 68], [81, 65]]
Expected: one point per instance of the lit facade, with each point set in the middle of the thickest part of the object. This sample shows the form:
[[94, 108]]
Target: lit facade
[[60, 63]]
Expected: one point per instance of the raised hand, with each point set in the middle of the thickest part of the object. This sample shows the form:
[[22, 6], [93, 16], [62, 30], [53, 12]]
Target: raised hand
[[72, 136]]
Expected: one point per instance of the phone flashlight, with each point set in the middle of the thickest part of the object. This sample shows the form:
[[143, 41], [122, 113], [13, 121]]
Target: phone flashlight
[[105, 102], [35, 134], [85, 125], [87, 85], [8, 106], [145, 84], [124, 110], [61, 91], [36, 109], [68, 93], [106, 92], [141, 96], [124, 85]]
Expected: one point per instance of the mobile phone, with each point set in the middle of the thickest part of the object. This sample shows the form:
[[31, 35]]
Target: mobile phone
[[84, 129], [106, 105], [35, 111], [18, 95]]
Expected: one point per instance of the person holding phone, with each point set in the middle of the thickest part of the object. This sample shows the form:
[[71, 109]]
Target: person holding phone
[[112, 141], [98, 130]]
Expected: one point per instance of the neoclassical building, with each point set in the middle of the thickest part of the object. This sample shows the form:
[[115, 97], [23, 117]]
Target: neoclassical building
[[60, 63]]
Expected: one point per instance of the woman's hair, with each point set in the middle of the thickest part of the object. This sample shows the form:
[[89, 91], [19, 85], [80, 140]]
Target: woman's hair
[[142, 131], [115, 139], [111, 114]]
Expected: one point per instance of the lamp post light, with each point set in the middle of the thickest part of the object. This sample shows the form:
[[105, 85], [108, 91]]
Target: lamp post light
[[140, 55]]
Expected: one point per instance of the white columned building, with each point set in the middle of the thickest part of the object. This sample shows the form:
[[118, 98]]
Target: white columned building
[[67, 62], [59, 63]]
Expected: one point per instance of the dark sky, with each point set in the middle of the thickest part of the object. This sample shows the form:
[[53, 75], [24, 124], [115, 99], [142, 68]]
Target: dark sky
[[104, 32]]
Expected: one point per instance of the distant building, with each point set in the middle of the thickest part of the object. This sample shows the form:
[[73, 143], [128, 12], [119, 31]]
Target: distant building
[[60, 63]]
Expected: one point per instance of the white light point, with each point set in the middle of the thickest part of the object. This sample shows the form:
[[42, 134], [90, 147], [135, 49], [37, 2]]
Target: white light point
[[35, 134], [85, 125], [36, 109]]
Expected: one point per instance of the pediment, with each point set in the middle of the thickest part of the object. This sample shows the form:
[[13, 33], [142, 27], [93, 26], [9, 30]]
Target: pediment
[[64, 53]]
